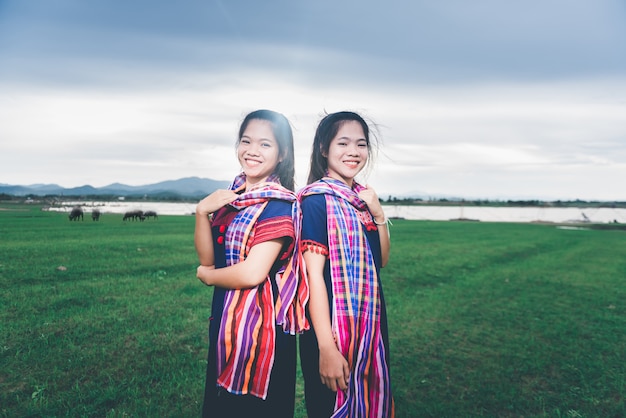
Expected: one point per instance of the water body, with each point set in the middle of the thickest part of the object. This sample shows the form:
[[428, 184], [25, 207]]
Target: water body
[[161, 208], [418, 212], [509, 214]]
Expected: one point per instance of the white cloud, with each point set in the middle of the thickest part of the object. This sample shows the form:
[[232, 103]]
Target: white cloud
[[486, 140]]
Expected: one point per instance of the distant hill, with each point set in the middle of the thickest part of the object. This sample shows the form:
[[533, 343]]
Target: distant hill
[[189, 187]]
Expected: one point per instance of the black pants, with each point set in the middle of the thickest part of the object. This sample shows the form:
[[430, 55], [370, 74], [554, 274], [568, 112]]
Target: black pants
[[320, 401], [280, 399]]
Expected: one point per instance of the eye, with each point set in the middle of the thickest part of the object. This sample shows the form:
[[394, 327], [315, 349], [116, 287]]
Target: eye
[[266, 145], [244, 141]]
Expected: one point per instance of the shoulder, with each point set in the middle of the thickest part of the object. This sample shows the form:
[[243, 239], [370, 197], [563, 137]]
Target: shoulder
[[314, 229], [276, 207], [314, 209], [314, 202]]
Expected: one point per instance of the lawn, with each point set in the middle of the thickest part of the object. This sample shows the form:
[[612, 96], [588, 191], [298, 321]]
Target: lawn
[[107, 319]]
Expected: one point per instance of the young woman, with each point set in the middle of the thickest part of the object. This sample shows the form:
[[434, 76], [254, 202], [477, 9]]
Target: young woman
[[245, 238], [345, 242]]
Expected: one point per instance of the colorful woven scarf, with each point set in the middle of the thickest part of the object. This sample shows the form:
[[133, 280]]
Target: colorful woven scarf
[[356, 302], [245, 349]]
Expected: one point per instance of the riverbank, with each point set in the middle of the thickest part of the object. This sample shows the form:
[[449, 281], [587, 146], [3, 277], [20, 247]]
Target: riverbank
[[552, 214]]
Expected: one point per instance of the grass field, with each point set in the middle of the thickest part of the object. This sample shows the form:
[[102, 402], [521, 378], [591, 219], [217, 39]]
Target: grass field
[[107, 319]]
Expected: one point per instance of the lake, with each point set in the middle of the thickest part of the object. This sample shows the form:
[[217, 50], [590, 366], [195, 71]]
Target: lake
[[509, 214], [418, 212]]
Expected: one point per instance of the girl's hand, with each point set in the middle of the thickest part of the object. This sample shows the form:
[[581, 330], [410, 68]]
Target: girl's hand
[[215, 200], [201, 274], [370, 198], [334, 369]]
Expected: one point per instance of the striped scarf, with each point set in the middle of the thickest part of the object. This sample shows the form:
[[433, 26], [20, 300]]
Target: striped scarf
[[356, 302], [245, 349]]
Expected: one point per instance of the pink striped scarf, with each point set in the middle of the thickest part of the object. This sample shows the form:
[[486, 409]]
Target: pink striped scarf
[[245, 349], [356, 302]]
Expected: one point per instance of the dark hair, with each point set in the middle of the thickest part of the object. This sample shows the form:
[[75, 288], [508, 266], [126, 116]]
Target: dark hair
[[326, 131], [281, 128]]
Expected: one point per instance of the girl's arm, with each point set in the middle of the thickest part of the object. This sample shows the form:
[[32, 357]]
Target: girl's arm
[[370, 197], [248, 273], [334, 369], [203, 238]]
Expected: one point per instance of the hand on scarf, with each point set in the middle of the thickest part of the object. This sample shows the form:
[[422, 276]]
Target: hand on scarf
[[215, 200], [369, 196], [334, 369]]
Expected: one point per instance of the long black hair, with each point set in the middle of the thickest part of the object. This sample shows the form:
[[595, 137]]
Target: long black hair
[[285, 170], [326, 131]]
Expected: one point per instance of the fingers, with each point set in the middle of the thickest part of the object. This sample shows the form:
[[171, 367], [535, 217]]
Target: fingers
[[216, 200], [368, 195], [342, 382], [201, 273], [330, 384], [346, 376], [336, 384], [370, 198], [338, 381]]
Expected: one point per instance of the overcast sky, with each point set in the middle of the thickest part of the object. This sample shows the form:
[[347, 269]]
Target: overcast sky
[[475, 99]]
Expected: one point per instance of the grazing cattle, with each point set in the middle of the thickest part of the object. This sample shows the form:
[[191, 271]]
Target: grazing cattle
[[134, 215], [95, 215], [76, 213], [150, 213]]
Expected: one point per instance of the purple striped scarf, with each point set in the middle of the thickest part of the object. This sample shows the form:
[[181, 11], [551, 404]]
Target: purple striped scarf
[[356, 307], [246, 340]]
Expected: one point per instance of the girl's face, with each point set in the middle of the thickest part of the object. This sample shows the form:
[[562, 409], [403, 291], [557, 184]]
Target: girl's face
[[347, 152], [258, 151]]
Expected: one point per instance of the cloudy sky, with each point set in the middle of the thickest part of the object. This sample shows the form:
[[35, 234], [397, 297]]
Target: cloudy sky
[[475, 99]]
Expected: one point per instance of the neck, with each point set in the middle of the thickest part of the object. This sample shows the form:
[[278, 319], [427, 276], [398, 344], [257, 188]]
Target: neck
[[250, 183], [348, 181]]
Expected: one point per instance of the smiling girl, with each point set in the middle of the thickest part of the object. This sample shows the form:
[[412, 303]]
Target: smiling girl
[[245, 238], [345, 242]]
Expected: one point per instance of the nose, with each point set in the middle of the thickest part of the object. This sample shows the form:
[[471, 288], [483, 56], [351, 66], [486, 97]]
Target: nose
[[252, 149], [353, 149]]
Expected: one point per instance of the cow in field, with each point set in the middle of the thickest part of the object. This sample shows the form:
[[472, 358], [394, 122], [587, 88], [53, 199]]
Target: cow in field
[[150, 214], [76, 213], [95, 215], [134, 215]]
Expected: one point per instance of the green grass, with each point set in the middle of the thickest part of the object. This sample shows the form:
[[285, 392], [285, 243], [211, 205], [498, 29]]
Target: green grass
[[107, 319]]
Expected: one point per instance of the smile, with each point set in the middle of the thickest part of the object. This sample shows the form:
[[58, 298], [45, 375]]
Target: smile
[[253, 163]]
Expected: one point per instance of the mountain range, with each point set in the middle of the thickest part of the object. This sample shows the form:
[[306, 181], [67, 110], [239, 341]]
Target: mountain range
[[188, 187]]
